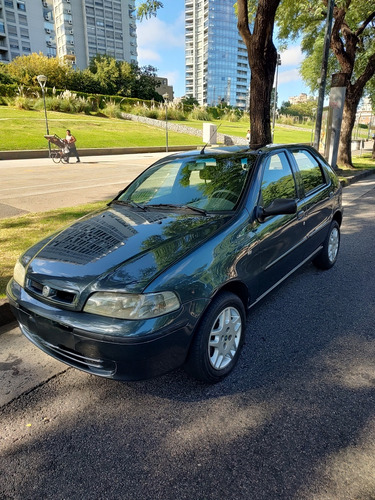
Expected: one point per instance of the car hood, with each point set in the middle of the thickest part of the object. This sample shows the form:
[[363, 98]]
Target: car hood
[[119, 248]]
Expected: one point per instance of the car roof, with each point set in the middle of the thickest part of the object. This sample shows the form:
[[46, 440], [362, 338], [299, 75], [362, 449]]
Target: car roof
[[225, 150]]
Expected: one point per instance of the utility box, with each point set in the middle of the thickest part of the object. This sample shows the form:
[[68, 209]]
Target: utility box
[[209, 133]]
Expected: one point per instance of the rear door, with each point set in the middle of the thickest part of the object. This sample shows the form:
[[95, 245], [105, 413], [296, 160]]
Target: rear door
[[317, 197]]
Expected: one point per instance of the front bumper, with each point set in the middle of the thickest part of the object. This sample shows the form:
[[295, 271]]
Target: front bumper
[[112, 348]]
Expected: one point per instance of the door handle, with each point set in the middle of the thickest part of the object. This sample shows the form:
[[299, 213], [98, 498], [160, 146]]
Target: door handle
[[300, 214]]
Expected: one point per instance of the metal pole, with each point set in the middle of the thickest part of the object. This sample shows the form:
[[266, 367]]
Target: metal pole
[[166, 97], [45, 110], [42, 80], [166, 127], [323, 74], [45, 115], [278, 63]]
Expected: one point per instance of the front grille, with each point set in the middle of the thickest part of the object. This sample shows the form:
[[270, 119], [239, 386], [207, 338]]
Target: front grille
[[49, 293]]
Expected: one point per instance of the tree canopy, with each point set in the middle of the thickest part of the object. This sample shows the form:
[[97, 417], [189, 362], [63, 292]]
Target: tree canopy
[[352, 46], [105, 75]]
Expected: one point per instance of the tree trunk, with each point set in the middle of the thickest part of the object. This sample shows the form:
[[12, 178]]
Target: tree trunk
[[344, 157], [352, 98], [261, 83], [262, 56]]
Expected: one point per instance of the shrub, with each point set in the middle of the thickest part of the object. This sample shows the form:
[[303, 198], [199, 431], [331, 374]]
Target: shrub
[[112, 110], [200, 113], [22, 102]]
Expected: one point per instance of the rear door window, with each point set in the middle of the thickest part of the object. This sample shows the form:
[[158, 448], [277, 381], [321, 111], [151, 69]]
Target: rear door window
[[311, 172]]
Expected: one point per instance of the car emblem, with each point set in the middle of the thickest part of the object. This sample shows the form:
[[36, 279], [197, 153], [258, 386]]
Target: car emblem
[[47, 291]]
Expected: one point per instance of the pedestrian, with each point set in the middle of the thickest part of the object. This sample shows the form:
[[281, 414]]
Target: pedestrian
[[248, 136], [71, 140]]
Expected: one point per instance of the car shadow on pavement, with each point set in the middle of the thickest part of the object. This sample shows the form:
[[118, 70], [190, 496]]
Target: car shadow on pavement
[[293, 421]]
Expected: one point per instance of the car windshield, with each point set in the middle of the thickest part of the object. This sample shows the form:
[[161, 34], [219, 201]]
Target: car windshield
[[210, 183]]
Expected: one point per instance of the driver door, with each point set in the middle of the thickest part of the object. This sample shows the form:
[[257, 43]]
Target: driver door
[[280, 237]]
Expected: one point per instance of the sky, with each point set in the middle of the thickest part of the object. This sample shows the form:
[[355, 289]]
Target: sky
[[161, 44]]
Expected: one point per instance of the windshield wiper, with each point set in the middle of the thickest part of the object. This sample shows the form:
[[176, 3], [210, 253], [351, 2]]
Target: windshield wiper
[[171, 205], [130, 204], [195, 209]]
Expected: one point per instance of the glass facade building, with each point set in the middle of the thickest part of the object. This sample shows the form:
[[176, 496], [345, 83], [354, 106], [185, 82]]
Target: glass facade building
[[216, 61]]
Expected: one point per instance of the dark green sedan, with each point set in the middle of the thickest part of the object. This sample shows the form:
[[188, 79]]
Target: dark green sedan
[[165, 275]]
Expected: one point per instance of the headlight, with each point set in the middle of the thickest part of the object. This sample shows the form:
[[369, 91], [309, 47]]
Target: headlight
[[19, 273], [132, 306]]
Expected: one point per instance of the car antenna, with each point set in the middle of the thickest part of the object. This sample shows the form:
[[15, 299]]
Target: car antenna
[[209, 141]]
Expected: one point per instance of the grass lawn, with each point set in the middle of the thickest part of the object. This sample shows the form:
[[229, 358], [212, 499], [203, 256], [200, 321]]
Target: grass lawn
[[20, 129], [282, 134], [19, 233]]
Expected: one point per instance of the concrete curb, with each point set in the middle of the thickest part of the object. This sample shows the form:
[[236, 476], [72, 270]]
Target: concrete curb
[[44, 153], [6, 315]]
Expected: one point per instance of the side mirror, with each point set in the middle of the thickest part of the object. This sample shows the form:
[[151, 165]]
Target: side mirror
[[280, 206]]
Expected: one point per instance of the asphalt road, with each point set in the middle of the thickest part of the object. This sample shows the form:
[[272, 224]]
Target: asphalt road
[[39, 184], [294, 421]]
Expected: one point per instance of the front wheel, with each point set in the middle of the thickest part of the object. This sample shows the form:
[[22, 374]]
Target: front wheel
[[56, 158], [218, 340], [328, 256]]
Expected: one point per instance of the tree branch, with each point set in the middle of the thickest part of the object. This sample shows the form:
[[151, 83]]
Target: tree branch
[[365, 23]]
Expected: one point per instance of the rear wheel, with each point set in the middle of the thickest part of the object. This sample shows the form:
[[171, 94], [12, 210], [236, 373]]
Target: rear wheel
[[328, 256], [218, 340]]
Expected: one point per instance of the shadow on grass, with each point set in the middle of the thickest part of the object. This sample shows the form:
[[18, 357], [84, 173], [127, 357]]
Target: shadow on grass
[[19, 233]]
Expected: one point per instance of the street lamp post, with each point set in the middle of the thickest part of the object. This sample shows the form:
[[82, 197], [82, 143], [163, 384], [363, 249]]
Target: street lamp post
[[42, 80], [166, 98], [278, 63]]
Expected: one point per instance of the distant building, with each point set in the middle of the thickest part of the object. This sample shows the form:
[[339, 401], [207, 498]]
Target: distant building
[[365, 114], [300, 98], [164, 88], [73, 30], [217, 69]]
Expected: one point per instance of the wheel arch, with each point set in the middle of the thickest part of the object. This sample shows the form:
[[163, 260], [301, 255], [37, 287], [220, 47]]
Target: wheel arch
[[337, 216]]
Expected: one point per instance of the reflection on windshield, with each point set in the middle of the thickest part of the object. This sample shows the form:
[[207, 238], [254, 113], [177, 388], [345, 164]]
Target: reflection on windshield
[[209, 183]]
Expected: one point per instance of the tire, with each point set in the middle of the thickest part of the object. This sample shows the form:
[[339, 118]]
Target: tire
[[218, 339], [328, 256], [56, 158], [65, 158]]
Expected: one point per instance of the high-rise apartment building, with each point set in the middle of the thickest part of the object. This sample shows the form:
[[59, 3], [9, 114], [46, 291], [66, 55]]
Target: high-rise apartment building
[[73, 30], [216, 61]]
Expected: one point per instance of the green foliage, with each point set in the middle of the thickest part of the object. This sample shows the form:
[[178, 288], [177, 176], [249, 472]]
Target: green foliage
[[25, 69], [8, 90], [22, 102], [199, 113], [105, 76], [190, 100], [4, 75], [112, 110], [148, 9], [302, 110], [306, 19]]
